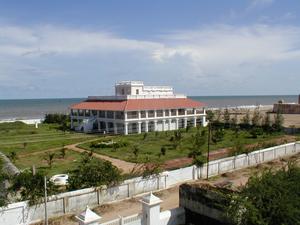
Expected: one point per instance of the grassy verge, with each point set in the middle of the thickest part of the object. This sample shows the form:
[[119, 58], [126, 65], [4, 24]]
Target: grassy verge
[[24, 139], [59, 165], [149, 147]]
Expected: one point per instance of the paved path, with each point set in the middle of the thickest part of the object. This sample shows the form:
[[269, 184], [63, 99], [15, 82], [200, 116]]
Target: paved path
[[126, 167]]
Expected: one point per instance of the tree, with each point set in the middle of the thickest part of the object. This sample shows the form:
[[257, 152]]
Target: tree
[[163, 150], [246, 120], [28, 186], [217, 132], [210, 115], [226, 117], [3, 193], [234, 121], [50, 158], [94, 173], [278, 121], [135, 150], [63, 152], [13, 156], [255, 131], [176, 139], [151, 169], [272, 198], [145, 136], [238, 147], [196, 151], [57, 118], [256, 118], [267, 123]]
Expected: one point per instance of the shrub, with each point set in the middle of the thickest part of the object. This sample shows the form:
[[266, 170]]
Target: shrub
[[56, 118], [94, 173], [269, 199]]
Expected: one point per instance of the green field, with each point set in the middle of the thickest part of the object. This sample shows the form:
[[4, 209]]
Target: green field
[[60, 165], [25, 139], [31, 144], [150, 148]]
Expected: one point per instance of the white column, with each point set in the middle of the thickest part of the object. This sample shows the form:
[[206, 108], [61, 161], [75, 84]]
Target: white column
[[105, 114], [164, 114], [195, 121], [176, 112], [139, 115], [126, 128], [185, 122], [170, 114], [204, 121], [155, 114], [125, 116], [146, 112], [164, 125], [177, 123], [139, 127], [115, 128], [155, 125], [169, 122], [98, 121], [146, 126], [72, 125], [151, 210], [106, 127]]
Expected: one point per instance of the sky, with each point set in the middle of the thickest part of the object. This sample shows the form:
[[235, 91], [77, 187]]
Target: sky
[[73, 48]]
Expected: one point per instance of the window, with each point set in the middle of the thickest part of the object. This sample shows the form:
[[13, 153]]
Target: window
[[137, 91], [123, 91]]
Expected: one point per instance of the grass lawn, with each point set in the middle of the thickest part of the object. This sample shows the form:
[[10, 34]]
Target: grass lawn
[[150, 148], [23, 138], [60, 165]]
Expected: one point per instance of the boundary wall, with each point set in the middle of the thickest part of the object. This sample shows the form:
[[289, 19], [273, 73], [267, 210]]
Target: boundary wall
[[75, 201]]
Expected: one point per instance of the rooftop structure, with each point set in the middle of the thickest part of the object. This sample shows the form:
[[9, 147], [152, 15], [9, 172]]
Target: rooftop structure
[[136, 108]]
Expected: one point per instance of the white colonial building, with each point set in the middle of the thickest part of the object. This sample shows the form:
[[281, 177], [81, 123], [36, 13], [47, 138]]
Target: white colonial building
[[136, 108]]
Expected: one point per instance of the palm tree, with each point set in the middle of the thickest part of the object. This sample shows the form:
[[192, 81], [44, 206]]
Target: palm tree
[[50, 158]]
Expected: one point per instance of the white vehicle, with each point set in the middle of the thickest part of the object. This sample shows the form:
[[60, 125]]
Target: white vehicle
[[60, 179]]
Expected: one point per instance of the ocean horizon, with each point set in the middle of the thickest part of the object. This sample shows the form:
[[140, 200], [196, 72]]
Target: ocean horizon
[[12, 109]]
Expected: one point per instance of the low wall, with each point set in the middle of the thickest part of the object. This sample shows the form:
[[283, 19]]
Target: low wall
[[174, 216], [75, 201], [286, 108]]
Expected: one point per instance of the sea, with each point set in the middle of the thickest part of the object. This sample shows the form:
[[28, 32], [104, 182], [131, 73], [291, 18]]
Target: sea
[[26, 109]]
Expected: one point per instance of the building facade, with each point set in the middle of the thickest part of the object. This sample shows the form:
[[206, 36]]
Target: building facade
[[136, 108]]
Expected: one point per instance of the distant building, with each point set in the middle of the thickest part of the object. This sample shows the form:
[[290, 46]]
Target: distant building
[[287, 108], [136, 108]]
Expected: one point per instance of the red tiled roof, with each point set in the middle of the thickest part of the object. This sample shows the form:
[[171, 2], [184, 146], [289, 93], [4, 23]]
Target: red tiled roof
[[139, 104]]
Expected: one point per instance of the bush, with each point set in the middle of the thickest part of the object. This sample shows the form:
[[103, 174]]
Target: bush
[[93, 173], [112, 144], [269, 199], [56, 118]]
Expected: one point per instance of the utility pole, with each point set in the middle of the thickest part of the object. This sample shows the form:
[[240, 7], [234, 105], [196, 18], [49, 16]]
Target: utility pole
[[208, 146], [45, 187]]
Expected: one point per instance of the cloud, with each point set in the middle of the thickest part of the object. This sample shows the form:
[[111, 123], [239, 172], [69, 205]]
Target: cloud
[[67, 62], [229, 45], [260, 3], [44, 40]]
